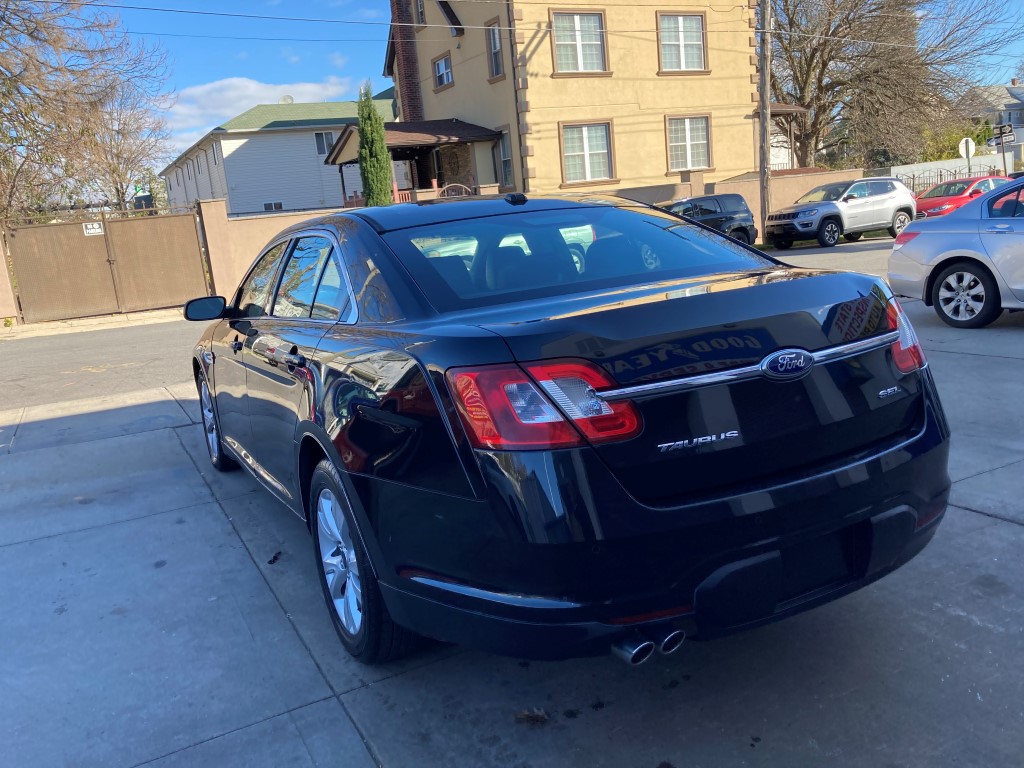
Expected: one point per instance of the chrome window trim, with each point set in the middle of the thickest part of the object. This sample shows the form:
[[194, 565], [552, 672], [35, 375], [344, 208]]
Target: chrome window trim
[[829, 355]]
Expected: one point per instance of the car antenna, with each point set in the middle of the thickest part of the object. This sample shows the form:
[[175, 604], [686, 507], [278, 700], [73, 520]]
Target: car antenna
[[515, 198]]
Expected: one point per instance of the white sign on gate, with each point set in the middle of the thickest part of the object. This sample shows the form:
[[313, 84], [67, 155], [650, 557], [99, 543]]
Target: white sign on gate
[[92, 228]]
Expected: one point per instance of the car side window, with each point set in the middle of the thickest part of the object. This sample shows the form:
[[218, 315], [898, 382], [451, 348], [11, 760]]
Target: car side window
[[300, 276], [858, 190], [1006, 205], [332, 301], [996, 183], [879, 188], [256, 288], [706, 207]]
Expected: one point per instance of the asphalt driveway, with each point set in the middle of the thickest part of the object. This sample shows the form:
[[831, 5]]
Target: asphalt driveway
[[158, 613]]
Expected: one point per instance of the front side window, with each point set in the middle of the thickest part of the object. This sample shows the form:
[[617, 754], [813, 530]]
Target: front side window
[[579, 42], [688, 143], [826, 192], [503, 160], [858, 190], [1006, 205], [681, 41], [494, 50], [300, 277], [256, 288], [324, 142], [442, 71], [586, 152]]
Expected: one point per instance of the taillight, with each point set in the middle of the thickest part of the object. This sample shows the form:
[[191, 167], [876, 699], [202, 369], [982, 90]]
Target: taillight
[[906, 351], [903, 238], [503, 408]]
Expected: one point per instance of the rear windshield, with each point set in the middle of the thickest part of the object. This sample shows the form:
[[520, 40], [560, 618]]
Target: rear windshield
[[530, 254]]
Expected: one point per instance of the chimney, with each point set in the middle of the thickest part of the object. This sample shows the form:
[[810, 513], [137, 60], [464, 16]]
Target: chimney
[[406, 61]]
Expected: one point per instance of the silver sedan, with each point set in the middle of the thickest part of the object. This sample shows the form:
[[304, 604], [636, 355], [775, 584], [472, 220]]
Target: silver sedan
[[968, 264]]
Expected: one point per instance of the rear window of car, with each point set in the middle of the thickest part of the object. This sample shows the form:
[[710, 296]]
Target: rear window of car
[[531, 254]]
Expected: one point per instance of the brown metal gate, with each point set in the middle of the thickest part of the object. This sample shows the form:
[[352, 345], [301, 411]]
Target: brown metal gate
[[107, 265]]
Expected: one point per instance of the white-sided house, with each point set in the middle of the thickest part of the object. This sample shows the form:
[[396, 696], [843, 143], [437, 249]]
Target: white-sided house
[[271, 158]]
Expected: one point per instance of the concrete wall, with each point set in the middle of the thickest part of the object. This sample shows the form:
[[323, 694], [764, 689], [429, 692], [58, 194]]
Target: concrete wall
[[234, 243], [8, 307], [785, 187]]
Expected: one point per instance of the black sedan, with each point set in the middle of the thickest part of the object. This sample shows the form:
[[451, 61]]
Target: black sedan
[[496, 444]]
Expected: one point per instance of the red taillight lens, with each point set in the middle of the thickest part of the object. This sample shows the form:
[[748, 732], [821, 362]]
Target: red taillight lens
[[504, 409], [906, 351], [903, 238]]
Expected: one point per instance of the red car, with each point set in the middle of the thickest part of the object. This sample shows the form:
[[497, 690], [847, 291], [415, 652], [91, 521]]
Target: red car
[[950, 195]]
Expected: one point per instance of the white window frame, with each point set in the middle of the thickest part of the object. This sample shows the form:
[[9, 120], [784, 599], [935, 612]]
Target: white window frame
[[682, 46], [579, 42], [276, 206], [443, 77], [588, 177], [494, 52], [321, 139], [688, 143]]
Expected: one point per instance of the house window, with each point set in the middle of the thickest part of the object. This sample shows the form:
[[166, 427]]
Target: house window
[[213, 149], [586, 152], [494, 50], [681, 41], [689, 143], [420, 12], [324, 142], [177, 175], [579, 42], [272, 206], [503, 160], [199, 165], [443, 71], [188, 169]]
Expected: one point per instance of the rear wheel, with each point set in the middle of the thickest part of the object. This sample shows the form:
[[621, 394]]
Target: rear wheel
[[899, 220], [211, 429], [353, 596], [966, 296], [828, 233], [853, 237], [740, 235]]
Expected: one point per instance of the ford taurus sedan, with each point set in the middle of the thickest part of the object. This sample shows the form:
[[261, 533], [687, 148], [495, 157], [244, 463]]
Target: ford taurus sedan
[[968, 264], [544, 457]]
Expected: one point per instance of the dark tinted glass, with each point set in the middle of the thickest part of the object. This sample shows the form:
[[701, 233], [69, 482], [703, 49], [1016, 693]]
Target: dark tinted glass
[[1006, 205], [255, 290], [706, 207], [301, 274], [880, 187], [493, 260], [332, 300]]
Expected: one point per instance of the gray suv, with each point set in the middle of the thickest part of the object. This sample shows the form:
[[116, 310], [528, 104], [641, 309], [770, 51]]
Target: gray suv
[[845, 208]]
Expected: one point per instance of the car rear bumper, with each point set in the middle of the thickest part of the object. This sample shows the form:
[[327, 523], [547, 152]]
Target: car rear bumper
[[742, 594], [907, 277]]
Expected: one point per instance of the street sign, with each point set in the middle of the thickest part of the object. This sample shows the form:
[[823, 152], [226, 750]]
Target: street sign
[[1003, 129], [1008, 138], [966, 148], [92, 228]]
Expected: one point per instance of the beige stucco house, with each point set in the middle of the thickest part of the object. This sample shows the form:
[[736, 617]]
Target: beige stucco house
[[582, 96]]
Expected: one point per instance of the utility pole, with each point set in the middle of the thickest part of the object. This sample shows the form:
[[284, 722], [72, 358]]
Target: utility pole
[[765, 111]]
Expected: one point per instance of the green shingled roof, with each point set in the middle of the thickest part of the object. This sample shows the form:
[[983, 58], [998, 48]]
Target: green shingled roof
[[326, 113]]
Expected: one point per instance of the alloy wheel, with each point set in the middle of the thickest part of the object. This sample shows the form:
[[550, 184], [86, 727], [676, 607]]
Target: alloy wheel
[[338, 555], [900, 223], [209, 421], [962, 296], [831, 231]]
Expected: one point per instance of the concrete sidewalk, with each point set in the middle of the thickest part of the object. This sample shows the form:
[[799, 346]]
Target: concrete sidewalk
[[159, 613], [84, 324]]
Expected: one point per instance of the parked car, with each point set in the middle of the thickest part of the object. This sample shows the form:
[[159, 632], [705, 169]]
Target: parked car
[[726, 213], [844, 208], [940, 199], [686, 438], [968, 264]]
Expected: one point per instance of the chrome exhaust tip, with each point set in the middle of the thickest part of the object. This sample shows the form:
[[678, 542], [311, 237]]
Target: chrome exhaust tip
[[667, 639], [633, 649]]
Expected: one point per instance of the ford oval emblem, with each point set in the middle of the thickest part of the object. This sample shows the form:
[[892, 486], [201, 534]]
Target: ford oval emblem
[[787, 364]]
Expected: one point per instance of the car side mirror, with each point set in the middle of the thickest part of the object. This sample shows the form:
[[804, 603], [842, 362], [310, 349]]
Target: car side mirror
[[975, 192], [205, 308], [848, 198]]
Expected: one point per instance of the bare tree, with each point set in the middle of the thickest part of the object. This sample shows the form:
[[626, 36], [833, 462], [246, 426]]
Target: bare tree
[[875, 75], [60, 64]]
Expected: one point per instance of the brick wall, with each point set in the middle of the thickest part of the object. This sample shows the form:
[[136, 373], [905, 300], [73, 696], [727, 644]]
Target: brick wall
[[407, 81]]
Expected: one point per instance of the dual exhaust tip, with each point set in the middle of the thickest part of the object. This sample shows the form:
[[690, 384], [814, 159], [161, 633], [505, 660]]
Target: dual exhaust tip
[[637, 648]]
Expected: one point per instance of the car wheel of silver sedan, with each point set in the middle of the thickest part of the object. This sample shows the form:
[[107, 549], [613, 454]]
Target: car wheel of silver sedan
[[350, 588], [966, 296]]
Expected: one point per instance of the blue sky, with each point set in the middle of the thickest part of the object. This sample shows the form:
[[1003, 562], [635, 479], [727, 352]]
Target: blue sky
[[217, 77]]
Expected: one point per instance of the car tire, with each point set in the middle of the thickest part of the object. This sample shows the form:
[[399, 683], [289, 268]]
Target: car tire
[[965, 295], [579, 258], [782, 245], [853, 237], [211, 428], [741, 236], [900, 220], [829, 232], [350, 588]]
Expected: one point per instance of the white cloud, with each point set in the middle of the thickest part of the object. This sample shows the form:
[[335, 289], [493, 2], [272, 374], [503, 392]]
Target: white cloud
[[337, 60], [200, 108]]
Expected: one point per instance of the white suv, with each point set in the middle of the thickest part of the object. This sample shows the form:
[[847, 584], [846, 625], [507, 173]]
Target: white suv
[[845, 208]]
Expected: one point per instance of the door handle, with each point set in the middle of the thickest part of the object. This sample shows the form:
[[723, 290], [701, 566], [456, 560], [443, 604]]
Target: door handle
[[1000, 229], [292, 360]]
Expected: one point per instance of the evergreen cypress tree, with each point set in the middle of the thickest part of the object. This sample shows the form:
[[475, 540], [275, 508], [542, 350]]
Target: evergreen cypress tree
[[374, 160]]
